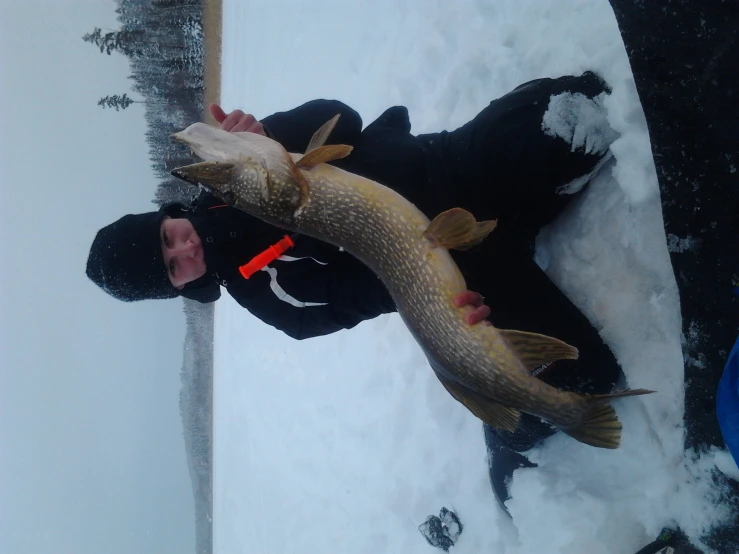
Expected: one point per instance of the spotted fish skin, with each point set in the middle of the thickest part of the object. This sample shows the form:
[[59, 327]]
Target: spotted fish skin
[[385, 232], [487, 369]]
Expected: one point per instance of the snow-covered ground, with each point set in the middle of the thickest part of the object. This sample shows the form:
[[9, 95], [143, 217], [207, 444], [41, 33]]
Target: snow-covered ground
[[347, 443]]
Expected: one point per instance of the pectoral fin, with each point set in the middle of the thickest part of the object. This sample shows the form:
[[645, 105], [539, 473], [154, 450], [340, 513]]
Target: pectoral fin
[[320, 137], [489, 411], [457, 228], [536, 350], [323, 154]]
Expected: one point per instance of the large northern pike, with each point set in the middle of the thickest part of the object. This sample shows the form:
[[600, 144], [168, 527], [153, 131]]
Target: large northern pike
[[486, 369]]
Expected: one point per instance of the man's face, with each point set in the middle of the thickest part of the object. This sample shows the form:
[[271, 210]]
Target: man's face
[[182, 251]]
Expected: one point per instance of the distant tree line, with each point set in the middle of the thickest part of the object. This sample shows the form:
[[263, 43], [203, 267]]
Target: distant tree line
[[196, 410], [163, 40]]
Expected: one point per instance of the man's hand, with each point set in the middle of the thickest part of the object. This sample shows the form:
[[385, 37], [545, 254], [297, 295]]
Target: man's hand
[[481, 311], [237, 121]]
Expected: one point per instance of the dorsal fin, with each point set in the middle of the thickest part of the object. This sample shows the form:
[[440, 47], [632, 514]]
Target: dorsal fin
[[320, 137], [324, 154], [535, 350]]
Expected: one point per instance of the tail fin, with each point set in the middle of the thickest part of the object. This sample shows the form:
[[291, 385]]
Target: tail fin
[[600, 426]]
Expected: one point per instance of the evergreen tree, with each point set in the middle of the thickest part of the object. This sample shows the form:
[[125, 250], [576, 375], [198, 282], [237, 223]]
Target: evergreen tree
[[106, 42], [95, 38], [129, 42], [117, 101]]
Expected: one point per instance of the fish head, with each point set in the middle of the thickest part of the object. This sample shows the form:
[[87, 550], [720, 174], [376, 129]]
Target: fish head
[[242, 184], [247, 171]]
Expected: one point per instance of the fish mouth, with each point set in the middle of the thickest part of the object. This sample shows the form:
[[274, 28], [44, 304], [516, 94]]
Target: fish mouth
[[181, 174], [210, 175]]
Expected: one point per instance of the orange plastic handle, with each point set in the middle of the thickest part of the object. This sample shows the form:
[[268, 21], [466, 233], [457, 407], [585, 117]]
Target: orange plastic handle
[[265, 258]]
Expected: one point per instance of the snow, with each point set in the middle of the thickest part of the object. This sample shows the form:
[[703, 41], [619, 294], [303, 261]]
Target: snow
[[347, 443], [579, 121]]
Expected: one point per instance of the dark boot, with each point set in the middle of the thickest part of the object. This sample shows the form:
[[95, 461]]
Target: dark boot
[[502, 462]]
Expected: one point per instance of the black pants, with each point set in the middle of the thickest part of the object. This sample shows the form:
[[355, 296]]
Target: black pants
[[502, 165], [513, 176], [522, 297]]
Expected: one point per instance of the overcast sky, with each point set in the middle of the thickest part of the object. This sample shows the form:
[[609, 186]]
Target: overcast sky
[[91, 451]]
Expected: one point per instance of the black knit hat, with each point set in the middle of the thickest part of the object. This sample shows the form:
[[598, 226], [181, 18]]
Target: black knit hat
[[126, 259]]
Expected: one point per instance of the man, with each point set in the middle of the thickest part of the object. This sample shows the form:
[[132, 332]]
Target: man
[[518, 161]]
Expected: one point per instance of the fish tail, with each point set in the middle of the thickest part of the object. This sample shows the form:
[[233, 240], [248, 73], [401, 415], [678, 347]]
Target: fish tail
[[600, 426]]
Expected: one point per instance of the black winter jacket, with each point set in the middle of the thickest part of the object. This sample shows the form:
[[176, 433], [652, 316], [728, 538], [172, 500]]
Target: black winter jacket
[[314, 288]]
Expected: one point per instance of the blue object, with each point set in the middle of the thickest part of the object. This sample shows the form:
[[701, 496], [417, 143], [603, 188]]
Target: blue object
[[727, 402]]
